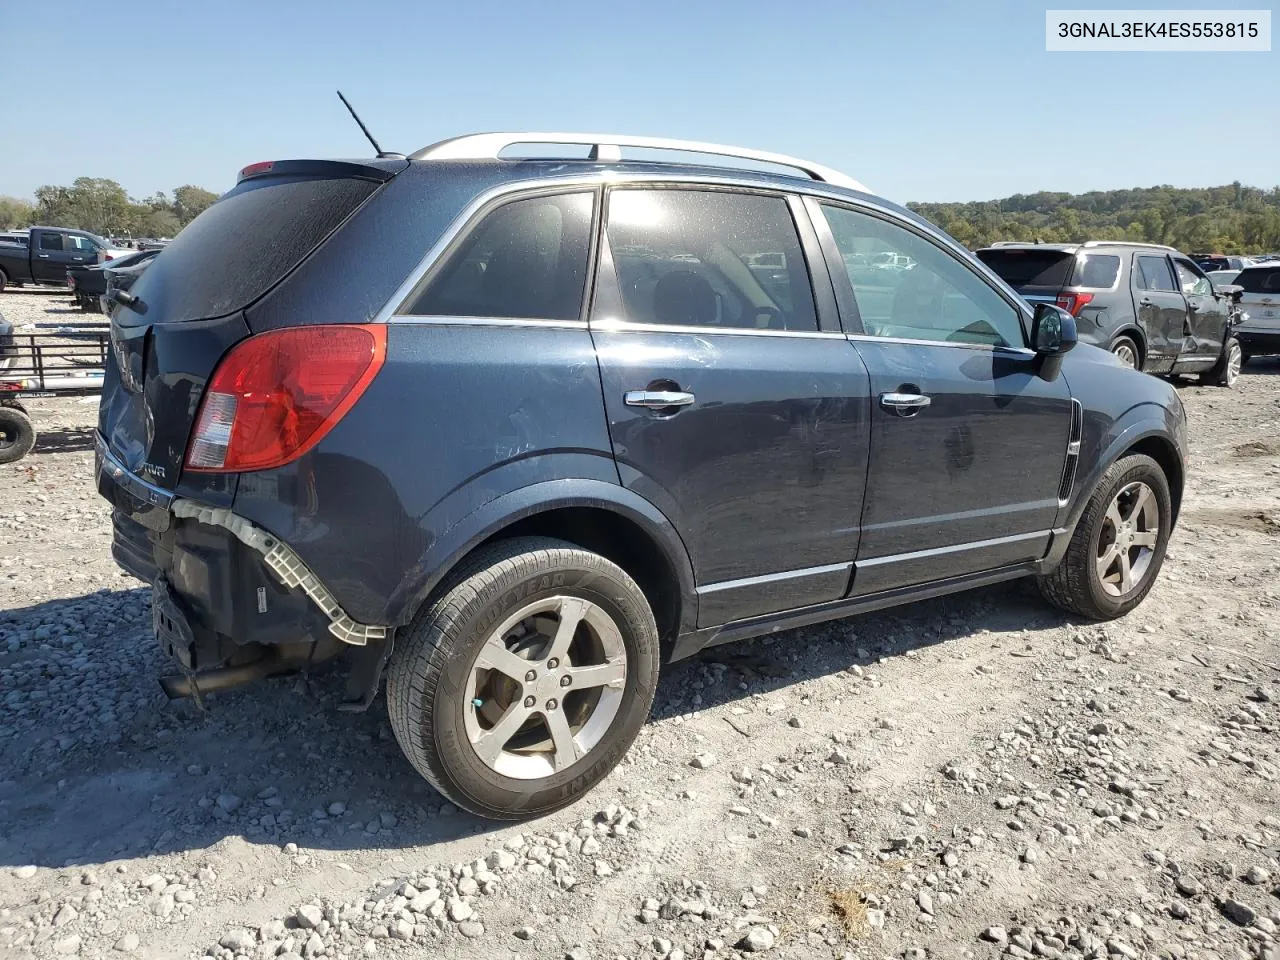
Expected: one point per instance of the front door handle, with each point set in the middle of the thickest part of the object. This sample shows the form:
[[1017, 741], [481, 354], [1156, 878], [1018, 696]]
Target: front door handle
[[657, 399], [904, 404], [43, 256], [1145, 301]]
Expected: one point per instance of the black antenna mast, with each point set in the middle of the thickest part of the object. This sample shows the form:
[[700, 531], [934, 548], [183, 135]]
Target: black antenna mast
[[365, 130]]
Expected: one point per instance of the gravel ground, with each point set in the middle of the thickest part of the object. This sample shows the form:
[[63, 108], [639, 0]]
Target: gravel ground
[[970, 777]]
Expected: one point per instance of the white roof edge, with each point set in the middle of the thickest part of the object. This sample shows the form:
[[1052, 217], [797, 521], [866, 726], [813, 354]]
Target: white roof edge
[[488, 146]]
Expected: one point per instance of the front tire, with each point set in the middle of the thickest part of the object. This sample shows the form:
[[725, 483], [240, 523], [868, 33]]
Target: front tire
[[1227, 370], [1119, 544], [523, 684], [17, 434]]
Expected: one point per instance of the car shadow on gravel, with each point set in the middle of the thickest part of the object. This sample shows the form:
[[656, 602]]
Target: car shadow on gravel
[[96, 765], [65, 440]]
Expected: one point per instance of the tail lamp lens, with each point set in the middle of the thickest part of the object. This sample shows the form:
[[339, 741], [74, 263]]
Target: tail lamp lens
[[275, 395], [1073, 303]]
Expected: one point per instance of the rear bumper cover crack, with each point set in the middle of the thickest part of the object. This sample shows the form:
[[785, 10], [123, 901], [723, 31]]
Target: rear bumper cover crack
[[287, 566]]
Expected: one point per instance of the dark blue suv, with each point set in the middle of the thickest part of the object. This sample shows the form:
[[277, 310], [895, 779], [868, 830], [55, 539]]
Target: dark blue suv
[[517, 419]]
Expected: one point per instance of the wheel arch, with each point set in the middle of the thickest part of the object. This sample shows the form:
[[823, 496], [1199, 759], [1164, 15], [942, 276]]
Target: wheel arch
[[605, 518], [1134, 333]]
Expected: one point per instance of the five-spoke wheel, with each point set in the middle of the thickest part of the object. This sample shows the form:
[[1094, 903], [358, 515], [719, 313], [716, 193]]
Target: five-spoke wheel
[[523, 683]]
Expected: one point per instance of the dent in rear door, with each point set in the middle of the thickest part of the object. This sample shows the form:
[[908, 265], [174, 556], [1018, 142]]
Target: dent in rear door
[[1161, 309]]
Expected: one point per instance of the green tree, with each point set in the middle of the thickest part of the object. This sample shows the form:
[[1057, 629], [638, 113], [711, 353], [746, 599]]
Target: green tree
[[15, 213], [190, 201]]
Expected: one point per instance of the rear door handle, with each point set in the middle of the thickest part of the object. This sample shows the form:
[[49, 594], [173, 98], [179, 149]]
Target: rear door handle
[[1145, 301], [657, 399], [43, 256], [904, 404]]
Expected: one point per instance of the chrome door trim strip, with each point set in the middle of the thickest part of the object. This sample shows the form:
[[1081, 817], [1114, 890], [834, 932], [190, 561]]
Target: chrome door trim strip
[[774, 577], [955, 548], [1021, 352], [612, 325], [410, 319]]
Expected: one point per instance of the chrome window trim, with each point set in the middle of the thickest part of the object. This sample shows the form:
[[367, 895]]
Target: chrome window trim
[[1025, 352], [410, 319], [543, 185], [774, 577], [612, 325]]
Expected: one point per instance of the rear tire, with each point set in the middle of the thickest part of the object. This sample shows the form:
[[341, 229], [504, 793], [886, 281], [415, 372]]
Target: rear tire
[[17, 435], [1089, 584], [499, 709], [4, 280], [1126, 351], [1226, 371]]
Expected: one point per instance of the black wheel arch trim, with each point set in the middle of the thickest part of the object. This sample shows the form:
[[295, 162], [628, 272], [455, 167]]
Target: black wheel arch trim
[[490, 519], [1135, 430]]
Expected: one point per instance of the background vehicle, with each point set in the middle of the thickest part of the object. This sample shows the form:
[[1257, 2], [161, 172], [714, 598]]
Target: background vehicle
[[48, 253], [1260, 301], [1217, 261], [1220, 278], [89, 283], [1149, 305], [558, 431]]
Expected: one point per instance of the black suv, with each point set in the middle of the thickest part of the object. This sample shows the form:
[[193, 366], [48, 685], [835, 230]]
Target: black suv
[[1149, 305], [519, 430]]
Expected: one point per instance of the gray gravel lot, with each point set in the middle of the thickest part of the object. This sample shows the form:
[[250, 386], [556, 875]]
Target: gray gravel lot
[[970, 777]]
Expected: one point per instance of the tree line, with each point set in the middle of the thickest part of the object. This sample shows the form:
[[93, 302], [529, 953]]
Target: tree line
[[1229, 219], [105, 208]]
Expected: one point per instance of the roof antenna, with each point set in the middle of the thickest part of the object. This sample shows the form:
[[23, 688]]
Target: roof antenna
[[365, 130]]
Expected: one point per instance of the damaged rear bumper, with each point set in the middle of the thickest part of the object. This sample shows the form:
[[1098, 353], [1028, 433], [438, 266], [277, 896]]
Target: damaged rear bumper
[[233, 584]]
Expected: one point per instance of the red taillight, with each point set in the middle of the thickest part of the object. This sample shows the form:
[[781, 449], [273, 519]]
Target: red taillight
[[1073, 303], [106, 258], [276, 394], [71, 282], [253, 169]]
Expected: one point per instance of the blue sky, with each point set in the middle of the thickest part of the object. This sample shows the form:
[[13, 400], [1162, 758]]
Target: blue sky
[[921, 101]]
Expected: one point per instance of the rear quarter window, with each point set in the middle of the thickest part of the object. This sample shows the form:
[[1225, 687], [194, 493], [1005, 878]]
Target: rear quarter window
[[1096, 270]]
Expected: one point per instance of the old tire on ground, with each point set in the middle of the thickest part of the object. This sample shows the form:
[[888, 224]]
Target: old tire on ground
[[17, 434], [1119, 544], [1126, 351], [1227, 370], [523, 683]]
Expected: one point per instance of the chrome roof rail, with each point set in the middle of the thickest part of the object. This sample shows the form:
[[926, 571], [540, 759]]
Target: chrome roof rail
[[1128, 243], [607, 148]]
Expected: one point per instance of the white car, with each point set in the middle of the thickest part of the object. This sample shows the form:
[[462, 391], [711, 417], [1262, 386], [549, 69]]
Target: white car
[[1260, 332], [1221, 278]]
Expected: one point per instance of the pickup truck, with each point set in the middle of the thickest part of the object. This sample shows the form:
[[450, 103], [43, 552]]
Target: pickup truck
[[44, 254]]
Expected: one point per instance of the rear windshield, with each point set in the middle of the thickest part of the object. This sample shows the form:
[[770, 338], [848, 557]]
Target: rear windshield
[[1259, 280], [245, 243], [1030, 268]]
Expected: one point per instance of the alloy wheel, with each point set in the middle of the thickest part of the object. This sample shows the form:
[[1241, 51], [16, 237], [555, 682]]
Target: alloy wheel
[[1127, 543], [545, 687], [1235, 360], [1124, 353]]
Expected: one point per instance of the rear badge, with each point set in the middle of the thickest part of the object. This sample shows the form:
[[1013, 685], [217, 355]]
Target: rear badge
[[262, 599]]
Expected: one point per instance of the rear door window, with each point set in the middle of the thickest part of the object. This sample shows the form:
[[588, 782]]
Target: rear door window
[[1153, 273], [50, 241], [703, 258], [1097, 270], [1259, 280], [527, 259]]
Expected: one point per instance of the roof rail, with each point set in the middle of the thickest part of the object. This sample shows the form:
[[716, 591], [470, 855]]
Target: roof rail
[[1128, 243], [606, 148]]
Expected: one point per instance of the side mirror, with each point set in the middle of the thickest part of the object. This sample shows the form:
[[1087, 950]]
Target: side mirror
[[1053, 333]]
